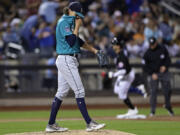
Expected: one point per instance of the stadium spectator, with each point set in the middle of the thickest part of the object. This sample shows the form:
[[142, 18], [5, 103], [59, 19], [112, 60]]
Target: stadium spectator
[[32, 6], [1, 47], [139, 35], [10, 36], [28, 31], [151, 29], [139, 39], [173, 49], [102, 27], [127, 24], [132, 48], [84, 32], [166, 30], [85, 4], [103, 44], [117, 5], [177, 39], [104, 18], [16, 25], [93, 14], [176, 31], [48, 9], [6, 3], [46, 39], [133, 5], [117, 17], [144, 8]]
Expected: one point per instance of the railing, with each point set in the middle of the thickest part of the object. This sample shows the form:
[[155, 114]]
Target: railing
[[172, 5], [32, 78]]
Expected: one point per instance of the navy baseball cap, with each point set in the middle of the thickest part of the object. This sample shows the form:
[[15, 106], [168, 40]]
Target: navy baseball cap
[[77, 7], [152, 40]]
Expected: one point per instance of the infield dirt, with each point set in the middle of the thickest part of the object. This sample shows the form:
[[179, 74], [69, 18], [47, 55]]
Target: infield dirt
[[78, 132]]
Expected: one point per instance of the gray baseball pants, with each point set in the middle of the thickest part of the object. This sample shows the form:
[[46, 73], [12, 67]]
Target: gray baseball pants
[[164, 79], [68, 77]]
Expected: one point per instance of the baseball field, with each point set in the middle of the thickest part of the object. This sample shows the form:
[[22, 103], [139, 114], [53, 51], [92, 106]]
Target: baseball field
[[34, 122]]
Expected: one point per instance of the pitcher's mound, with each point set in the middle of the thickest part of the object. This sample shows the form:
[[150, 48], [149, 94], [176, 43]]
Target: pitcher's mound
[[77, 132]]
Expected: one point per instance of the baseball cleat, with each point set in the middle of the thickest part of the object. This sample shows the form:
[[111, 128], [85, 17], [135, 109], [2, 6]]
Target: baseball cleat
[[151, 114], [131, 112], [55, 128], [94, 126], [170, 111]]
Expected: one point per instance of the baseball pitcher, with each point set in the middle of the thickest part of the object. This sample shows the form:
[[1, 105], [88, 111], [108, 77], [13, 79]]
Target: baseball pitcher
[[68, 47]]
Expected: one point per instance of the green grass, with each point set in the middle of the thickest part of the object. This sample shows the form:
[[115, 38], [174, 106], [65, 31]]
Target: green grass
[[133, 126]]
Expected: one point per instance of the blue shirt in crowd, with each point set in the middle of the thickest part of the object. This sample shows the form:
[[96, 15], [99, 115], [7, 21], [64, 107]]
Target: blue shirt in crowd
[[47, 37], [28, 25], [26, 33], [48, 10]]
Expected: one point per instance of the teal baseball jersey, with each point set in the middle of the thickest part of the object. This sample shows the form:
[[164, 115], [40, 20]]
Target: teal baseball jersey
[[64, 28]]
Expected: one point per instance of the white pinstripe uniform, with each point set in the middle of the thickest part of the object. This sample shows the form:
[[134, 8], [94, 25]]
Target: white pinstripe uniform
[[125, 76], [123, 83]]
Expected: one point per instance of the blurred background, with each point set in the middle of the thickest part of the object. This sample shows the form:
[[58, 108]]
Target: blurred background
[[27, 42]]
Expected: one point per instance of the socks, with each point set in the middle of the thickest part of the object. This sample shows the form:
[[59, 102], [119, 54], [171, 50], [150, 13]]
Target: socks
[[54, 109], [128, 103], [57, 103], [82, 107], [135, 90]]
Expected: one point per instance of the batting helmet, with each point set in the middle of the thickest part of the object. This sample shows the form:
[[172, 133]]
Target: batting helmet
[[120, 42]]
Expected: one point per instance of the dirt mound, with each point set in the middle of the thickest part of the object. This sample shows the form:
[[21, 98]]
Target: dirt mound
[[77, 132]]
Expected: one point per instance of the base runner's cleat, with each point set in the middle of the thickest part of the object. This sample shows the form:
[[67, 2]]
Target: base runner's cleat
[[132, 111]]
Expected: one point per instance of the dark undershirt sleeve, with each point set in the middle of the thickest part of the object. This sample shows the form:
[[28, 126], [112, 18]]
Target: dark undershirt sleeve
[[71, 40], [81, 42]]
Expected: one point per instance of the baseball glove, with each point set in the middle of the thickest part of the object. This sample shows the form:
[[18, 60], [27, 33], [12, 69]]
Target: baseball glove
[[102, 59]]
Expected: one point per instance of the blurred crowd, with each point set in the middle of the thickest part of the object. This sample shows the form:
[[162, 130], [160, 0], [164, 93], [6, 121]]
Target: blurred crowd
[[28, 26]]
